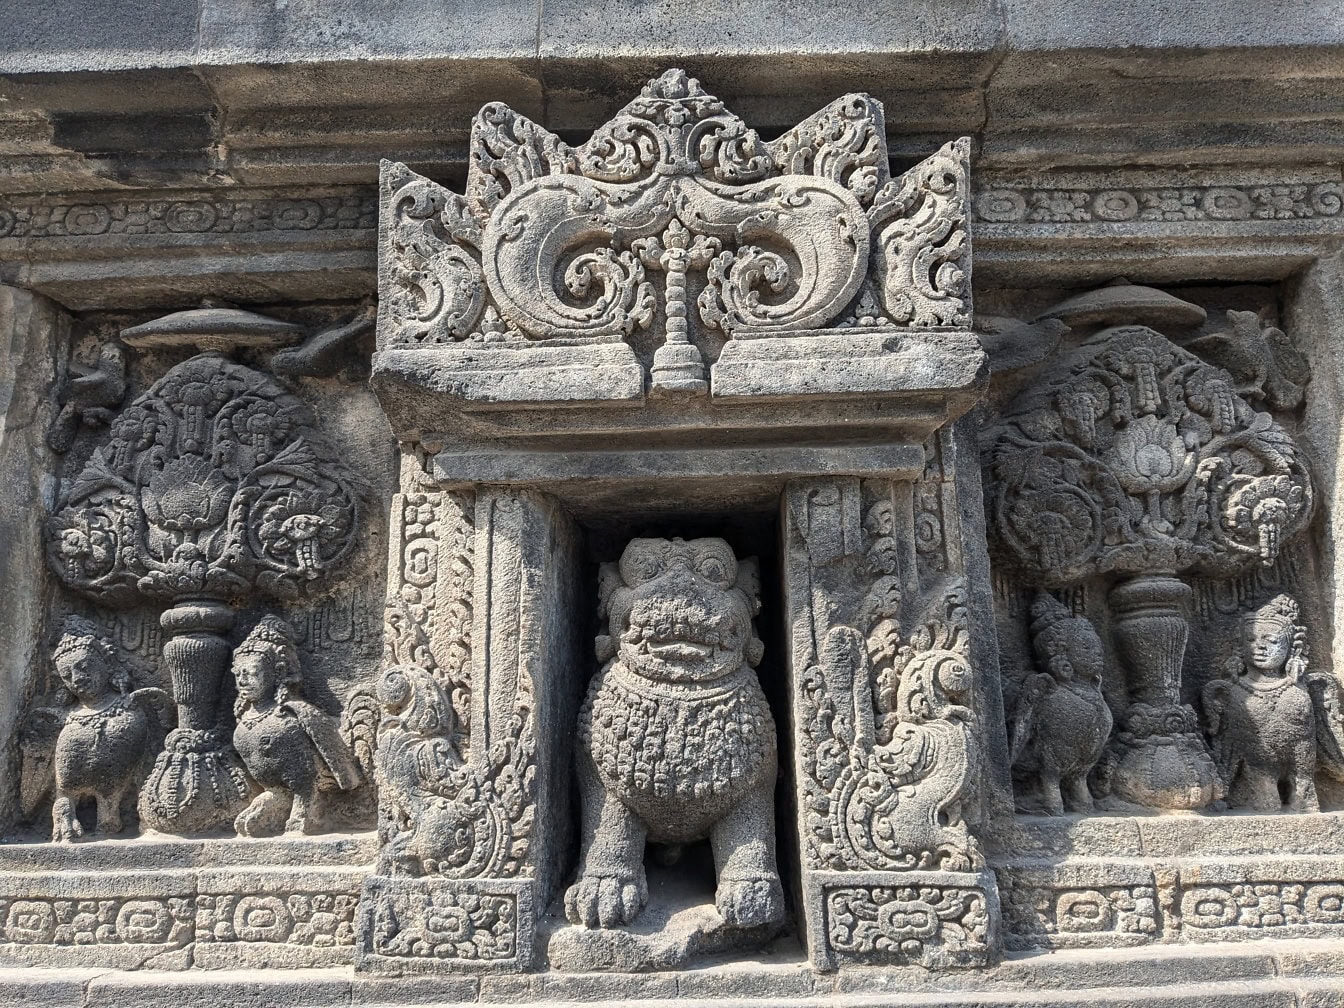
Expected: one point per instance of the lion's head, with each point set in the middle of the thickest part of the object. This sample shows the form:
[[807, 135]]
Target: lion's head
[[681, 611]]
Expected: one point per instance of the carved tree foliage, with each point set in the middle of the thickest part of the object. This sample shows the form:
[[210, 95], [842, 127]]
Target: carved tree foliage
[[558, 242], [215, 483], [1139, 457]]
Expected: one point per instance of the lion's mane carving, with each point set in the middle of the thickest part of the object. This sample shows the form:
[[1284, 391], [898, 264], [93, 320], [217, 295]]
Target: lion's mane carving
[[676, 741]]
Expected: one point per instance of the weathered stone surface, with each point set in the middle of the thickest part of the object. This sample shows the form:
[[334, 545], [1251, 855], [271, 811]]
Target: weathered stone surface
[[621, 347]]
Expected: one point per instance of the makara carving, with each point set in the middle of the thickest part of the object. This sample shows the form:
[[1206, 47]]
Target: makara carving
[[214, 486], [1061, 723], [564, 244], [1274, 722], [676, 741], [443, 814]]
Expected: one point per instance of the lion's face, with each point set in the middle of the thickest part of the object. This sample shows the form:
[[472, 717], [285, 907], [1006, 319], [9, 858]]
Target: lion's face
[[686, 620]]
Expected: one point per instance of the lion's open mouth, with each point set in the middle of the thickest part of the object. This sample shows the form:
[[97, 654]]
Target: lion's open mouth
[[678, 650]]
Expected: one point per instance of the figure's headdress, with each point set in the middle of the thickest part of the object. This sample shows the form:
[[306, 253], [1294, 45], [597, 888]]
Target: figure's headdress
[[79, 632], [273, 637], [1282, 609]]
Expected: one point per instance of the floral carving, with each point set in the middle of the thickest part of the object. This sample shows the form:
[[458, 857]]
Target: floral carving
[[443, 923], [1141, 457], [934, 926], [921, 242], [441, 814], [553, 242], [888, 740], [215, 485]]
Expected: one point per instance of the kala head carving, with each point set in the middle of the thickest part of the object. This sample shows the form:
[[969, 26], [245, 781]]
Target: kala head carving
[[676, 742], [289, 747], [101, 745], [1061, 722]]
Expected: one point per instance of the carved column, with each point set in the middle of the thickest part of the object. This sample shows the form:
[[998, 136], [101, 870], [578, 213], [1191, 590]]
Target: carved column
[[473, 751], [889, 738], [33, 335]]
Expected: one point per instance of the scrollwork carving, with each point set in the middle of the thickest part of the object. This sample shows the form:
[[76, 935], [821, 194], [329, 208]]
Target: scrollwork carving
[[922, 243], [1141, 457], [888, 733]]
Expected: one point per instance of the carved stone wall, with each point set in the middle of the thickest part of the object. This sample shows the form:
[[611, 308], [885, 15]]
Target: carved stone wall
[[665, 582]]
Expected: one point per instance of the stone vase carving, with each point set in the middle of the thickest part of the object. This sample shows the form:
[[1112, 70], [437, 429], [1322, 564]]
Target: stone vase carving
[[214, 486], [1160, 760]]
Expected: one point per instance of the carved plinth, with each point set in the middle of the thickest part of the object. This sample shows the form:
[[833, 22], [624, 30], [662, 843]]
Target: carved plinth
[[425, 925], [938, 920]]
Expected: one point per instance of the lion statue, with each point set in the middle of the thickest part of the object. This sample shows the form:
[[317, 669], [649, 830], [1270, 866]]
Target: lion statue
[[676, 741]]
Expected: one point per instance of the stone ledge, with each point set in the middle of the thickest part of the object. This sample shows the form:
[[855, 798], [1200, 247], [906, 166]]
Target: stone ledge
[[1298, 974]]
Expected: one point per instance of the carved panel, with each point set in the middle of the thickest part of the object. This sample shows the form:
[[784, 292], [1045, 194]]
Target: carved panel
[[934, 926]]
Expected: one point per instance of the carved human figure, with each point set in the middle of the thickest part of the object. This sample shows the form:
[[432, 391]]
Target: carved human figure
[[1263, 718], [289, 747], [101, 745], [676, 742], [1061, 721]]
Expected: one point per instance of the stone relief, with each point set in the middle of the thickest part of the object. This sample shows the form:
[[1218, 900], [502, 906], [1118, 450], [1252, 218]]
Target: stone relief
[[1061, 723], [676, 741], [1266, 713], [1139, 461], [287, 745], [676, 228], [100, 746], [886, 724], [215, 485]]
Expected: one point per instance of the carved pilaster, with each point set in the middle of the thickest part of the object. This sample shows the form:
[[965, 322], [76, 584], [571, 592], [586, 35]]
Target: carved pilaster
[[471, 760], [888, 740]]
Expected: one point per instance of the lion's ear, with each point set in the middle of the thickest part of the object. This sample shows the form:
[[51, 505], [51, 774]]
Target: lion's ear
[[749, 582], [755, 651], [608, 580]]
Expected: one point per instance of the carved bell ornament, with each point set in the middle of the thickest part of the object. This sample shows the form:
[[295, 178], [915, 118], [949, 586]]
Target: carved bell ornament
[[214, 486]]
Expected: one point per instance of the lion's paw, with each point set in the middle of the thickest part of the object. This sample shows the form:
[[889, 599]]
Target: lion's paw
[[606, 901], [751, 902]]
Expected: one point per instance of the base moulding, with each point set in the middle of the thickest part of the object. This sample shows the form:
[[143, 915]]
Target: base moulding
[[1267, 974]]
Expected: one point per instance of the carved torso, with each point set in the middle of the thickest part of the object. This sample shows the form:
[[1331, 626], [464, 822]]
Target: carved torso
[[98, 749], [276, 749], [1078, 722], [693, 747], [1271, 722]]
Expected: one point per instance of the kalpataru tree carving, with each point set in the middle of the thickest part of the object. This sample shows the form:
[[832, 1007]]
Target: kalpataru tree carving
[[215, 486], [676, 741], [1274, 722], [887, 734], [1139, 460], [101, 744], [561, 244]]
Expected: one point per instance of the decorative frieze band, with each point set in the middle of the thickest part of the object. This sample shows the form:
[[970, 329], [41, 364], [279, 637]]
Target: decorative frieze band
[[1256, 202], [356, 210]]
